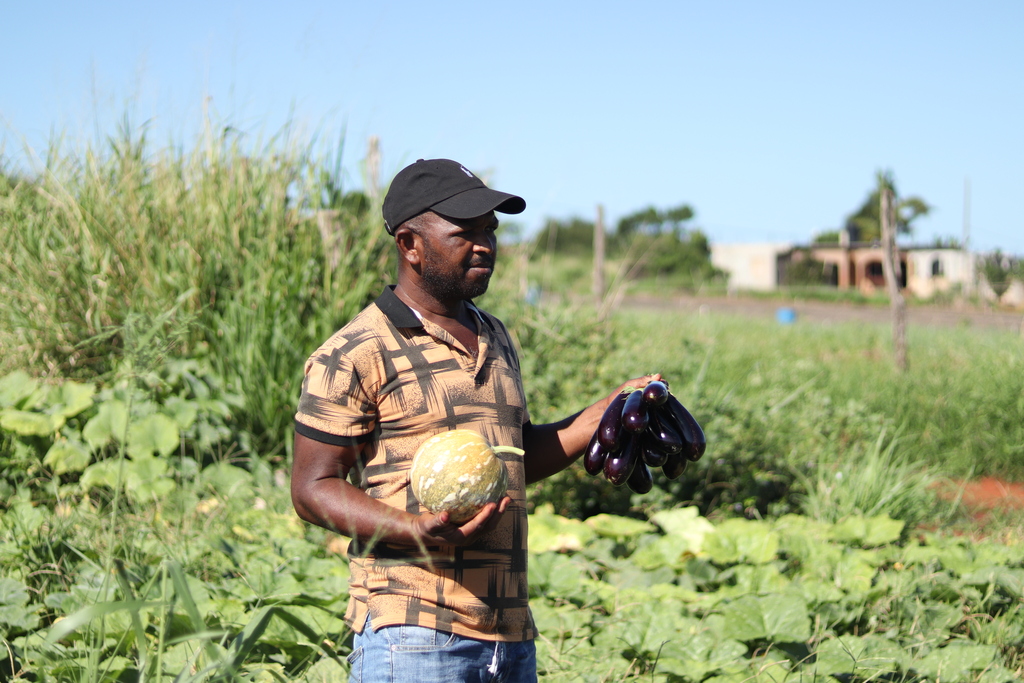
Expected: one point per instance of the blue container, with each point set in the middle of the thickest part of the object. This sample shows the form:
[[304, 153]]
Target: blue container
[[785, 316]]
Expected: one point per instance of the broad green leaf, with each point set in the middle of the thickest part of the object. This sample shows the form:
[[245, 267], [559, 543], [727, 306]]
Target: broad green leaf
[[18, 618], [618, 528], [107, 425], [998, 673], [624, 574], [67, 455], [558, 620], [868, 531], [955, 661], [73, 397], [694, 657], [182, 410], [852, 572], [229, 612], [24, 518], [754, 578], [27, 423], [102, 473], [65, 627], [299, 624], [961, 556], [771, 667], [777, 617], [13, 592], [740, 540], [227, 480], [803, 527], [15, 612], [643, 626], [817, 591], [16, 387], [865, 656], [145, 479], [1010, 580], [685, 523], [663, 551], [549, 531], [153, 434], [554, 574], [931, 620], [326, 670]]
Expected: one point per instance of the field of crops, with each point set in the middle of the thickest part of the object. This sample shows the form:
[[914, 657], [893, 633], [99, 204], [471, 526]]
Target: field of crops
[[160, 306]]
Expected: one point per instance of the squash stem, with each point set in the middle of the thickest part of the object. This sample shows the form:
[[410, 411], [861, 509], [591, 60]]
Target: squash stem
[[508, 449]]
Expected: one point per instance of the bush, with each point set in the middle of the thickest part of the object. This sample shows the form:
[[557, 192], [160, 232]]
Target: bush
[[255, 253]]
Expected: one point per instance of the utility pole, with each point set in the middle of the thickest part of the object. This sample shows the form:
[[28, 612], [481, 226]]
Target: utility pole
[[968, 260], [373, 168], [597, 284], [893, 274]]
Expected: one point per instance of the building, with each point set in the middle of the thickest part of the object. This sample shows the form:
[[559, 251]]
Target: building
[[751, 267], [926, 271]]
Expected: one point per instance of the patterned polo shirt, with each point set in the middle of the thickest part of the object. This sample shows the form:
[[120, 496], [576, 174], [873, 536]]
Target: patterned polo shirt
[[391, 379]]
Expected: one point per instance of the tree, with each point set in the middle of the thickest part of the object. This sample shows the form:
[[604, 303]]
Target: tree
[[864, 225], [651, 221], [1000, 270], [572, 236]]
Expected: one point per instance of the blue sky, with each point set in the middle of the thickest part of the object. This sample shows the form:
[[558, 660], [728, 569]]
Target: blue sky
[[769, 119]]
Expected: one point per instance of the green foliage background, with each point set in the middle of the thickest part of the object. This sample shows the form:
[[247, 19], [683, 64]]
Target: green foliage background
[[160, 305]]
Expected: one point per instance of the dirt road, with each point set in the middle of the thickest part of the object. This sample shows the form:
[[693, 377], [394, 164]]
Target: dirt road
[[825, 313]]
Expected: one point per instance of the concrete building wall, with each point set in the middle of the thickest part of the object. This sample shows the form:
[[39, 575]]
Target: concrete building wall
[[934, 271], [750, 266], [927, 271]]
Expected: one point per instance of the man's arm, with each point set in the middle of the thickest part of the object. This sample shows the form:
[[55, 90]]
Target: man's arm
[[550, 448], [322, 495]]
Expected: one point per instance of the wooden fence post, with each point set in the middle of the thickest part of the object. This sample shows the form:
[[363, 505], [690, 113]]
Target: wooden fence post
[[597, 286], [892, 270]]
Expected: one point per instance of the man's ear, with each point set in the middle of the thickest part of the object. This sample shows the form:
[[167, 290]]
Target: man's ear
[[410, 246]]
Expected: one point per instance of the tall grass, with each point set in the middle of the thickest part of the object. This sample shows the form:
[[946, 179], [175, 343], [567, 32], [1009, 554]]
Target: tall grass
[[254, 245], [873, 479]]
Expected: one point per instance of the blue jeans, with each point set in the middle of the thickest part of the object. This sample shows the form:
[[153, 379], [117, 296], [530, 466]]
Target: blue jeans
[[396, 654]]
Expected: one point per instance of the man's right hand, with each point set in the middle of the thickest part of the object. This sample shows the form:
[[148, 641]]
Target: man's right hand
[[438, 529]]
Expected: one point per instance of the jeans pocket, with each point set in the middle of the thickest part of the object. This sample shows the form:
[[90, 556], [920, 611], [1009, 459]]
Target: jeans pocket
[[355, 665], [417, 639]]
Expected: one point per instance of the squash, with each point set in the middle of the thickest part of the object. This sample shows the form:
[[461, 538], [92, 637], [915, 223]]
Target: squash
[[458, 472]]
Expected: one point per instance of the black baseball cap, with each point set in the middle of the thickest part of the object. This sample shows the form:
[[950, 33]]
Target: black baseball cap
[[446, 187]]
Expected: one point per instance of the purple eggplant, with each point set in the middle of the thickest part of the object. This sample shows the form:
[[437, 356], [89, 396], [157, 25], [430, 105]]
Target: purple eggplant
[[661, 434], [594, 456], [609, 429], [655, 393], [619, 465], [649, 452], [693, 436], [634, 412], [640, 479], [675, 465]]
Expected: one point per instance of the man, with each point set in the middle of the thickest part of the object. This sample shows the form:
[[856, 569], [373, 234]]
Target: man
[[429, 600]]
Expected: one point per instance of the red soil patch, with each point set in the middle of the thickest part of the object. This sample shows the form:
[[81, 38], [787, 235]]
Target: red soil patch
[[984, 499], [987, 493]]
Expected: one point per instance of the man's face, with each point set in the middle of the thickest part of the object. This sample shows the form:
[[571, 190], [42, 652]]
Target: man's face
[[458, 255]]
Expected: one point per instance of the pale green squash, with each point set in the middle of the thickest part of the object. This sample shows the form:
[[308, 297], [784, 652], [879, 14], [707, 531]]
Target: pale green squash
[[460, 472]]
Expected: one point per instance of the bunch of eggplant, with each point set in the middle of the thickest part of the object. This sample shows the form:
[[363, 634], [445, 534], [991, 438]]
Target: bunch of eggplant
[[643, 429]]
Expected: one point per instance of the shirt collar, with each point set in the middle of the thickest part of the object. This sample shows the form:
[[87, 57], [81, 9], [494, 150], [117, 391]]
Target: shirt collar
[[402, 315]]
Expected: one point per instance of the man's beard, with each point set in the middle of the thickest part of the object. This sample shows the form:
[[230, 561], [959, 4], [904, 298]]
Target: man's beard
[[450, 283]]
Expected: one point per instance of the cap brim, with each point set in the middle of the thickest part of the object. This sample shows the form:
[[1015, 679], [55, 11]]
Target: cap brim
[[477, 202]]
